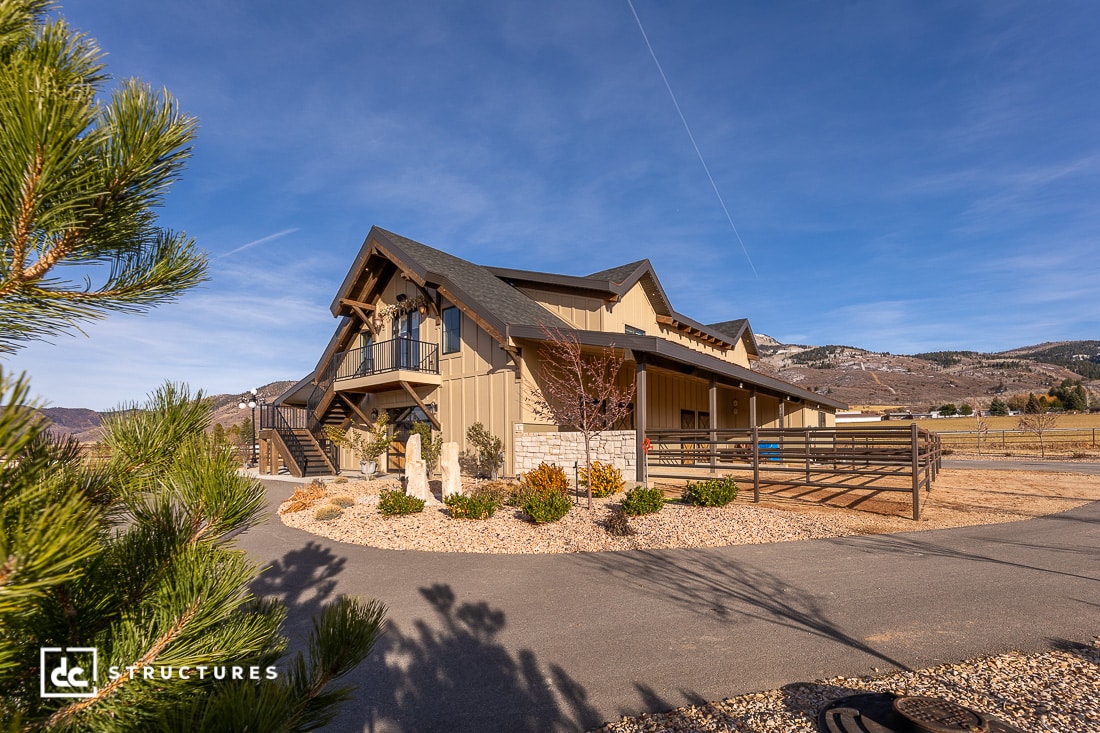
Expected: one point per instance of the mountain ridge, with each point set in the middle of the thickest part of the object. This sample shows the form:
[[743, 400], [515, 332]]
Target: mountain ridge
[[924, 381]]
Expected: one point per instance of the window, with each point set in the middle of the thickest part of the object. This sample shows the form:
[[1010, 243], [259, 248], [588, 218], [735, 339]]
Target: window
[[634, 331], [452, 330]]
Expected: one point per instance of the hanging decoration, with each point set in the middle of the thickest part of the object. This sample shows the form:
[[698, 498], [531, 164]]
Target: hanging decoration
[[400, 308]]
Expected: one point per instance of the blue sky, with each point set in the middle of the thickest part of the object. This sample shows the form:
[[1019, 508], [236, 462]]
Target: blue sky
[[904, 176]]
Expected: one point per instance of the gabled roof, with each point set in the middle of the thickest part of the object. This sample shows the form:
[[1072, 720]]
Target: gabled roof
[[490, 295], [468, 285], [738, 329]]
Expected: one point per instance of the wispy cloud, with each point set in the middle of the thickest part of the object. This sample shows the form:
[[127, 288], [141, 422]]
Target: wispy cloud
[[257, 242]]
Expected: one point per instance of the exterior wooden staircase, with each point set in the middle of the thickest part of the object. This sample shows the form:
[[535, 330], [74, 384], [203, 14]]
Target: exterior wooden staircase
[[300, 442]]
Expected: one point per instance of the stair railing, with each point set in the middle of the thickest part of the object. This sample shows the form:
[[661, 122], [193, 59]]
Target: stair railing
[[272, 417]]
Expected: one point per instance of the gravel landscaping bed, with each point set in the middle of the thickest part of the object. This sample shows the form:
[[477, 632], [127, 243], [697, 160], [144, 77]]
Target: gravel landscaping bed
[[581, 530], [960, 498], [1051, 692]]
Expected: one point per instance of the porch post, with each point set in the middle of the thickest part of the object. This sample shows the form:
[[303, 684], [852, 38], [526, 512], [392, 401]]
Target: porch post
[[712, 404], [641, 465], [262, 468], [782, 413], [752, 409]]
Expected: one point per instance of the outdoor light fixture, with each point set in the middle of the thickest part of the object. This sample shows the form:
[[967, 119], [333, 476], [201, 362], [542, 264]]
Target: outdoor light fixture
[[249, 401]]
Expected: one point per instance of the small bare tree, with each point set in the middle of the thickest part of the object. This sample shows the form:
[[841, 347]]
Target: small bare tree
[[981, 425], [580, 390], [1038, 420]]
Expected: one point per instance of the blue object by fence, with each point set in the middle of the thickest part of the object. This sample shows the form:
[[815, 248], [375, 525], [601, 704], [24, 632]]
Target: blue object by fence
[[769, 451]]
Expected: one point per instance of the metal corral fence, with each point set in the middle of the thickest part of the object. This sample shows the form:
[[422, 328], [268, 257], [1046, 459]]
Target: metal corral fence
[[1054, 438], [857, 458]]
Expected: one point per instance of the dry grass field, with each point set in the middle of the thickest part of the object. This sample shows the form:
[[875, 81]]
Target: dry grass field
[[948, 424]]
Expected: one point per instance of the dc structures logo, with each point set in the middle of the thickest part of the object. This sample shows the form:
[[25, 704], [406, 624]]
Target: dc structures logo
[[69, 671]]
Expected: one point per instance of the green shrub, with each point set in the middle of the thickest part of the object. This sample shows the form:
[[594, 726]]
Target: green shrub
[[502, 492], [487, 456], [606, 479], [712, 492], [471, 507], [342, 501], [617, 523], [640, 500], [327, 513], [392, 503], [545, 480], [546, 508]]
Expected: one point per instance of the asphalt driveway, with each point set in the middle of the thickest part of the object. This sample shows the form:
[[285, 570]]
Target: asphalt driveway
[[565, 642]]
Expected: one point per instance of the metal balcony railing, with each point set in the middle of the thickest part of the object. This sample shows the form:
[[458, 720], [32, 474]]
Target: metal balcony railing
[[388, 356]]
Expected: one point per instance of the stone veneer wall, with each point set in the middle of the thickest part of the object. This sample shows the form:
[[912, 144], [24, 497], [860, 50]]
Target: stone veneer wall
[[616, 447]]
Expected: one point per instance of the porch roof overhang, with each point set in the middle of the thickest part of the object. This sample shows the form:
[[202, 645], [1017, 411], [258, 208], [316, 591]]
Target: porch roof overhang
[[660, 352]]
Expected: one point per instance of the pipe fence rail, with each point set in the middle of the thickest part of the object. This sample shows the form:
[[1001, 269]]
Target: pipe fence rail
[[1019, 439], [900, 458]]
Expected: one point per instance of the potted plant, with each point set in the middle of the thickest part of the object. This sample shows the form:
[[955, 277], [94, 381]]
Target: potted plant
[[367, 444]]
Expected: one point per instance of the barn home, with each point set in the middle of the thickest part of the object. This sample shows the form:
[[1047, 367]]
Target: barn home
[[427, 336]]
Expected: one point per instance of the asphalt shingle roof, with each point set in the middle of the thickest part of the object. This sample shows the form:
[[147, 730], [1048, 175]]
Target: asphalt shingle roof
[[505, 303], [617, 274]]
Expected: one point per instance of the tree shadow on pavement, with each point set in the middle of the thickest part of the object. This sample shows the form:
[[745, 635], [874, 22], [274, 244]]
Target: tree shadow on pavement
[[909, 545], [453, 674], [710, 582], [304, 579]]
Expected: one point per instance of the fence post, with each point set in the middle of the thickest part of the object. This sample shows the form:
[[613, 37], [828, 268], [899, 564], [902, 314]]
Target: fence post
[[755, 464], [807, 448], [916, 474]]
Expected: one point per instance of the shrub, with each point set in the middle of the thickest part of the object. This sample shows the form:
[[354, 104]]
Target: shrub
[[606, 479], [617, 524], [471, 507], [394, 502], [343, 501], [488, 455], [640, 500], [327, 513], [543, 508], [304, 497], [712, 492], [429, 448], [545, 480], [502, 492], [340, 480]]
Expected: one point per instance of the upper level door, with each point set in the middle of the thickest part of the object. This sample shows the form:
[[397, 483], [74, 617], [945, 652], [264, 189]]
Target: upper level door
[[406, 330]]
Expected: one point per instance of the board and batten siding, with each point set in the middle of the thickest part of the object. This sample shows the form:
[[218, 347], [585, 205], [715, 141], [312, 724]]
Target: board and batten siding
[[581, 312], [479, 385]]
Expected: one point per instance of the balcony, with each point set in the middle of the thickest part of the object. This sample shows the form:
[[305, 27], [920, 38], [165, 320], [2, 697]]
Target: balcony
[[386, 364]]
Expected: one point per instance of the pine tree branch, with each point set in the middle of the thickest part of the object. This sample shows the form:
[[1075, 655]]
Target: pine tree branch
[[66, 713], [23, 221]]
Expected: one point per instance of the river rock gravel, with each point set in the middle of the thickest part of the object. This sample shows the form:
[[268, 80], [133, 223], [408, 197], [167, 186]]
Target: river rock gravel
[[1051, 692]]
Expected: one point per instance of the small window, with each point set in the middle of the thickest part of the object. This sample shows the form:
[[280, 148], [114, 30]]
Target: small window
[[452, 330], [634, 331]]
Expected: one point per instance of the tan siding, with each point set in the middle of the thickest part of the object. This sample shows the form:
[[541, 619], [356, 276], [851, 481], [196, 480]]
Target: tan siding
[[479, 385], [634, 309], [583, 313]]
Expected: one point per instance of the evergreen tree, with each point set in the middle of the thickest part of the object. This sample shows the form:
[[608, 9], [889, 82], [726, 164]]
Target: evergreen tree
[[998, 408], [131, 555], [79, 180], [1033, 405], [133, 558]]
